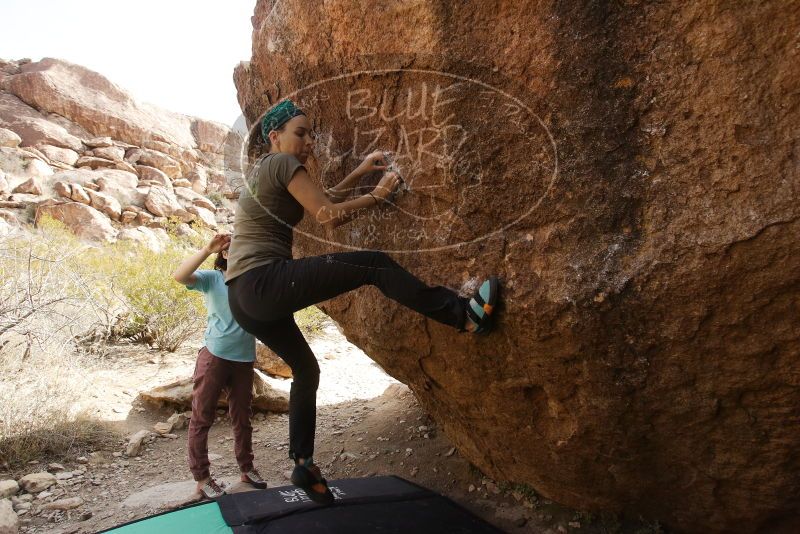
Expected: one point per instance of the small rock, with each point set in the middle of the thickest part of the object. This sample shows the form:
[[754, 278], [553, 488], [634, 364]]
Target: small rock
[[82, 460], [55, 467], [37, 482], [212, 457], [163, 428], [134, 447], [117, 454], [8, 488], [414, 471], [178, 421], [9, 522], [64, 475], [20, 506], [450, 452], [471, 488], [63, 504], [86, 515], [574, 524], [44, 495]]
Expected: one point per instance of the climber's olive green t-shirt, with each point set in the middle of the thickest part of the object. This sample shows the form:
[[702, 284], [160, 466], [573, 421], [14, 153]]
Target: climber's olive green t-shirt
[[265, 215]]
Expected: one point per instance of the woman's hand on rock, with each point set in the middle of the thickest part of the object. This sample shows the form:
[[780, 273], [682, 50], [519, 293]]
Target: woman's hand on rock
[[372, 163], [388, 185]]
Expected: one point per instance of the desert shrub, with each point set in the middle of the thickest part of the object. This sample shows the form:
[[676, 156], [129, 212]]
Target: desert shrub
[[311, 320], [42, 295], [55, 293], [55, 288], [159, 310]]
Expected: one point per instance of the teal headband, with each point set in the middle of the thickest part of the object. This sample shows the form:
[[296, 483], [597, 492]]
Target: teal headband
[[278, 116]]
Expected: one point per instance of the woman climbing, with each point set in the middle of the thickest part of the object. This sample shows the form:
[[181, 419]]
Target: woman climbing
[[266, 285], [224, 363]]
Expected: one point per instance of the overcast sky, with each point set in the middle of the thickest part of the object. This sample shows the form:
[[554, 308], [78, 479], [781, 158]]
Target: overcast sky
[[177, 54]]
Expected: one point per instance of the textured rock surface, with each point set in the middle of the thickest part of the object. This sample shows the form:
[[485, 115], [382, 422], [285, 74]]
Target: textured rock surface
[[646, 358], [116, 114], [56, 116], [9, 138], [178, 394], [37, 482], [9, 522], [268, 362], [84, 221]]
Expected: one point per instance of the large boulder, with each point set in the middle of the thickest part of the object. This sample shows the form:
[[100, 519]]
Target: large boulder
[[153, 158], [58, 154], [162, 202], [96, 104], [630, 171], [31, 186], [114, 153], [32, 127], [122, 185], [270, 363], [9, 139], [178, 395], [210, 136], [105, 203], [154, 176], [82, 220]]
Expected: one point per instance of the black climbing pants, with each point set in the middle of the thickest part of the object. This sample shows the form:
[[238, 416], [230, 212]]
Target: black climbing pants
[[263, 300]]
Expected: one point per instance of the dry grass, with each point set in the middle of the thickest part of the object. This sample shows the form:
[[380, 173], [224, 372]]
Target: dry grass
[[53, 436], [57, 296]]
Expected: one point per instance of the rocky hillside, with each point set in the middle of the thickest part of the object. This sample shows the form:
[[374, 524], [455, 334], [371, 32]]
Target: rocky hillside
[[78, 148], [631, 171]]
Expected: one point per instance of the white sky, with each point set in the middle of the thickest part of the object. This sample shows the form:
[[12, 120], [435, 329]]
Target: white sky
[[177, 54]]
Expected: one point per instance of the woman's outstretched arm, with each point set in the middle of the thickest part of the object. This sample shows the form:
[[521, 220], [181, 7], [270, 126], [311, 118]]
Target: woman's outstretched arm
[[329, 214], [341, 191]]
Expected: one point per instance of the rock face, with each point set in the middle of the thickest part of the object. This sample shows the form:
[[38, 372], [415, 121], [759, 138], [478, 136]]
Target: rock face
[[106, 149], [631, 172], [178, 394]]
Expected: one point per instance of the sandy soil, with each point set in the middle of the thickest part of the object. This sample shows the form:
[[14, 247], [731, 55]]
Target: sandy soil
[[368, 424]]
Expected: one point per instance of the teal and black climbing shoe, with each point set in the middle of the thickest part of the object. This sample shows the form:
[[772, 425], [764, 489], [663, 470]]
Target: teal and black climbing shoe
[[481, 306]]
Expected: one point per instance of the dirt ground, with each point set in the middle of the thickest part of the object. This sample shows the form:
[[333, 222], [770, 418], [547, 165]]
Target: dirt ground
[[368, 424]]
